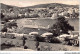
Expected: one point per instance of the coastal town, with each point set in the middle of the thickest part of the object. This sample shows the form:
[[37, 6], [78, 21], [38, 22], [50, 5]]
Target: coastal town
[[40, 28]]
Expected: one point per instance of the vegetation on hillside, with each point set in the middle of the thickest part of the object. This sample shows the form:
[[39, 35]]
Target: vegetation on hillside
[[38, 11]]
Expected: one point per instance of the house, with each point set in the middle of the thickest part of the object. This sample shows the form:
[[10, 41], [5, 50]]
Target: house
[[74, 33], [2, 26], [54, 16], [47, 34], [33, 33], [64, 36]]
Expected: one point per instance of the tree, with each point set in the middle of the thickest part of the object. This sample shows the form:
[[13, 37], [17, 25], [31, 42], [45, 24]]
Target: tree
[[2, 16], [9, 25], [61, 26], [4, 29]]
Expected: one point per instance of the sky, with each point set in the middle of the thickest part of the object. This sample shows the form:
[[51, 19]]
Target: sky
[[25, 3]]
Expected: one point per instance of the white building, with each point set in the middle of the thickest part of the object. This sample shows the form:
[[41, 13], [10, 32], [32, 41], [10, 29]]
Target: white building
[[54, 16]]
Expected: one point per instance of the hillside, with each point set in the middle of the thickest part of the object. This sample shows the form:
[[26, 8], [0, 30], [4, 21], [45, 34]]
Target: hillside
[[52, 5], [4, 6], [41, 10]]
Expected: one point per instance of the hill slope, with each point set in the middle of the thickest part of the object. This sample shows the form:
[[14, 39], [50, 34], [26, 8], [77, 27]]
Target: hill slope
[[4, 6], [52, 5]]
